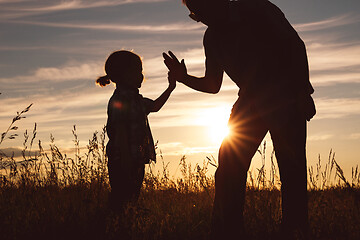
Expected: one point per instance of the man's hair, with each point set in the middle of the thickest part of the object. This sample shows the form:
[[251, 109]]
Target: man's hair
[[206, 8], [203, 2]]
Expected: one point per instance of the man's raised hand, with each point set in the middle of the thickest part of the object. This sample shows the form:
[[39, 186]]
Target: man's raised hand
[[177, 70]]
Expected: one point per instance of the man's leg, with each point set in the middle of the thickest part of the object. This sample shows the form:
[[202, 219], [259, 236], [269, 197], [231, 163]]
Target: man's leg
[[235, 155], [289, 139]]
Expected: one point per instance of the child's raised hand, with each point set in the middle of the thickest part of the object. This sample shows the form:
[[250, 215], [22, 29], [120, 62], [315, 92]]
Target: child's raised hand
[[172, 79]]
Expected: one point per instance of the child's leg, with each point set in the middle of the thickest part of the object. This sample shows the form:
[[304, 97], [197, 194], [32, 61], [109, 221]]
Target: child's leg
[[137, 180], [119, 176]]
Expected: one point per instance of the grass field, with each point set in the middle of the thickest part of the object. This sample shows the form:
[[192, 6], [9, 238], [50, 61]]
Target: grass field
[[49, 195]]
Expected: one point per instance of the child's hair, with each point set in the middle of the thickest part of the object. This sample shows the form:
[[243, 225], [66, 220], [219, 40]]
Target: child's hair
[[117, 65]]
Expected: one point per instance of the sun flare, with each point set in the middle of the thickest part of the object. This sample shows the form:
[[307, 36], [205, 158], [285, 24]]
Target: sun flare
[[215, 119]]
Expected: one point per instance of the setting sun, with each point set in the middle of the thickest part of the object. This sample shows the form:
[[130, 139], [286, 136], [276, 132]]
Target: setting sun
[[215, 119], [218, 131]]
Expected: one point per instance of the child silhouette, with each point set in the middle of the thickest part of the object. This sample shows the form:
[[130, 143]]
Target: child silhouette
[[130, 144]]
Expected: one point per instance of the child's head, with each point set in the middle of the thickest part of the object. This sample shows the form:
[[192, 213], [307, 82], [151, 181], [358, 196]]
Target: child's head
[[123, 68]]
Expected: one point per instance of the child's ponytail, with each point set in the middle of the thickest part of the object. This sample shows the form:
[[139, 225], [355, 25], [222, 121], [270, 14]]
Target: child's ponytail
[[103, 81]]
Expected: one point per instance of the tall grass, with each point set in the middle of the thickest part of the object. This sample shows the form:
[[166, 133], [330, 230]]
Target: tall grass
[[48, 194]]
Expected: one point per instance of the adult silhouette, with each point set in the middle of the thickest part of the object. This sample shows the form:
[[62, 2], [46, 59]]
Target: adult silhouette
[[254, 44]]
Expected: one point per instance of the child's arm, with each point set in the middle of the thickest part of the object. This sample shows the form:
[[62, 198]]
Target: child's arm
[[160, 101]]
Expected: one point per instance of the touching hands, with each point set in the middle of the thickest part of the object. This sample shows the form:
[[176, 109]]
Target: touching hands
[[177, 70]]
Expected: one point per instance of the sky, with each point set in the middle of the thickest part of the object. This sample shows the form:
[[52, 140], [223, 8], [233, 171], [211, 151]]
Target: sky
[[52, 51]]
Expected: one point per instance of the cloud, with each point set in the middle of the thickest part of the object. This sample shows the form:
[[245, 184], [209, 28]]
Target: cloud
[[194, 150], [50, 6], [84, 71], [181, 26], [336, 108], [335, 21], [354, 136], [332, 78], [31, 8], [71, 71], [332, 63], [25, 48], [11, 1], [180, 148], [320, 137], [333, 55], [17, 152]]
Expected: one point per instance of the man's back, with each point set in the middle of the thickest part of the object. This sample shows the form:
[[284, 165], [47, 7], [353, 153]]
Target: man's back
[[256, 47]]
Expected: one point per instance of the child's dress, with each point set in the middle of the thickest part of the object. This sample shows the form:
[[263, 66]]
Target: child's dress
[[127, 107]]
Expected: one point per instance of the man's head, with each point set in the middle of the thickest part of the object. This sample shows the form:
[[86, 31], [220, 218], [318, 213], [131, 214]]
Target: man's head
[[207, 11]]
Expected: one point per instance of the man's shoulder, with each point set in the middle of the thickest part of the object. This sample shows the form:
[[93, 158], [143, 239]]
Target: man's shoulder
[[207, 33], [210, 37]]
